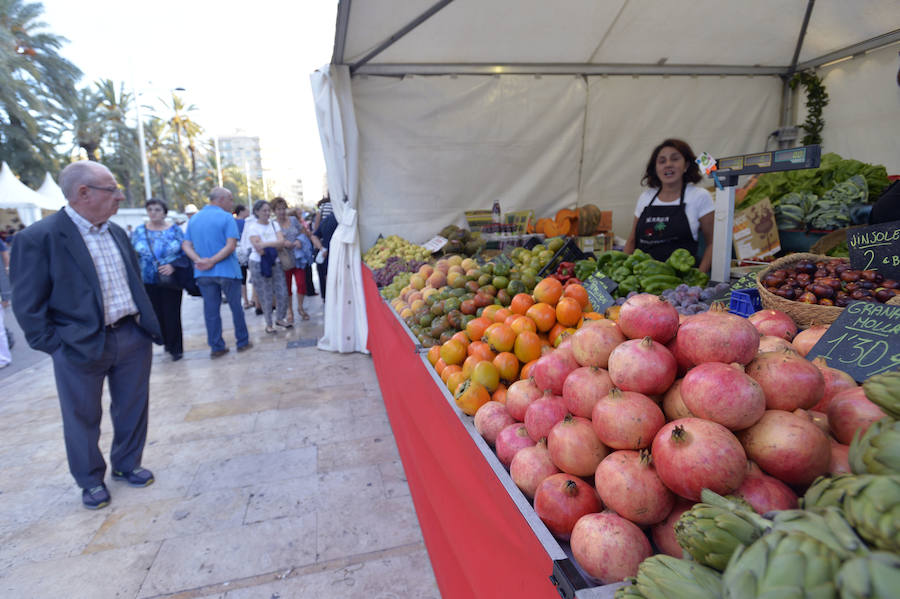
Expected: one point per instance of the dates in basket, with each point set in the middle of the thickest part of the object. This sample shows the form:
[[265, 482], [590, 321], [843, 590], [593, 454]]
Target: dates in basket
[[829, 283]]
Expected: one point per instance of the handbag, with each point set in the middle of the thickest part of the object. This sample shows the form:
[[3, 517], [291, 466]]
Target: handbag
[[285, 256], [267, 262], [181, 278]]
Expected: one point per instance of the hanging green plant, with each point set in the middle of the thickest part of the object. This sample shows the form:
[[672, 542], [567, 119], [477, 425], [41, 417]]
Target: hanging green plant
[[816, 100]]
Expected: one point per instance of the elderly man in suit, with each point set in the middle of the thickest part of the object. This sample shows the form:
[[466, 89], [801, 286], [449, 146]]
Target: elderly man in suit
[[78, 296]]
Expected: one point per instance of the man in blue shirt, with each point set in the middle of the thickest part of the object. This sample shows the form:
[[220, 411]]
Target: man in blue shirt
[[210, 240]]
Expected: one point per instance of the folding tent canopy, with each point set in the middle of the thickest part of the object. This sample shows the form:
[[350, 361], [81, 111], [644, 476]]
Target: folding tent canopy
[[50, 190], [433, 107], [27, 202]]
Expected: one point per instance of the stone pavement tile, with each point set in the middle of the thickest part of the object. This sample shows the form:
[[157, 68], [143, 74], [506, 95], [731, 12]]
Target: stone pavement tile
[[204, 429], [162, 455], [198, 560], [21, 508], [309, 412], [50, 538], [359, 528], [345, 428], [48, 430], [115, 574], [304, 495], [22, 472], [303, 393], [394, 479], [367, 406], [248, 470], [230, 407], [359, 452], [49, 450]]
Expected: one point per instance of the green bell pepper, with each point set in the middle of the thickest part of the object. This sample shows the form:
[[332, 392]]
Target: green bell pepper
[[656, 284], [620, 274], [694, 277], [653, 267], [681, 260], [627, 285]]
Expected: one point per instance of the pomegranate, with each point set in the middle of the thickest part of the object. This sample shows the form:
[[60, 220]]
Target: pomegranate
[[788, 380], [673, 404], [530, 466], [510, 440], [717, 336], [771, 343], [765, 493], [542, 414], [551, 369], [490, 419], [663, 533], [519, 396], [775, 323], [626, 420], [852, 411], [561, 499], [642, 365], [593, 342], [818, 418], [648, 315], [723, 393], [628, 485], [609, 547], [691, 454], [790, 448], [574, 446], [835, 382], [584, 387], [806, 339], [677, 348], [840, 459]]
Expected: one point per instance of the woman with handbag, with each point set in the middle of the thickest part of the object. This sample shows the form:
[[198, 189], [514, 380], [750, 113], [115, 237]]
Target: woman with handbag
[[266, 273], [158, 246], [298, 243]]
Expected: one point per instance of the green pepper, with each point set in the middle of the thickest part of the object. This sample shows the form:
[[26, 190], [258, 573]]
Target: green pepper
[[694, 277], [653, 267], [636, 257], [620, 274], [656, 284], [627, 285], [681, 260]]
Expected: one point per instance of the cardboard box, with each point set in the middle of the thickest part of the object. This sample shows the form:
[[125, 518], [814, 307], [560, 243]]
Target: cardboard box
[[594, 243], [755, 233], [478, 218]]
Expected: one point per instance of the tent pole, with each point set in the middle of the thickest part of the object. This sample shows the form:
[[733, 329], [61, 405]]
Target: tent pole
[[340, 31]]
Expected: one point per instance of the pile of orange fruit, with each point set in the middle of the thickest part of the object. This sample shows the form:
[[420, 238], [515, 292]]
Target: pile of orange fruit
[[501, 345]]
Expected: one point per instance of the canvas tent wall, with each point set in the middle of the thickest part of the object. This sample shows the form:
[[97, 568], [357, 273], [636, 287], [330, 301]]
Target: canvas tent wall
[[15, 195], [544, 105]]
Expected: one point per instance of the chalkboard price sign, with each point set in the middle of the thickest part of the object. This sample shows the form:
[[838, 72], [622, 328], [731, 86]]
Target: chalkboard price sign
[[598, 289], [748, 281], [876, 248], [863, 341]]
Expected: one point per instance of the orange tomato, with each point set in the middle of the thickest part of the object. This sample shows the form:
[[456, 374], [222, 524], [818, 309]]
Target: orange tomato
[[593, 316], [502, 314], [554, 333], [461, 337], [490, 311], [439, 366], [528, 346], [543, 315], [453, 352], [568, 311], [434, 354], [455, 380], [525, 373], [507, 366], [562, 336], [578, 293], [469, 364], [500, 337], [482, 350], [470, 396], [548, 291], [500, 394], [522, 323], [520, 303], [450, 369], [475, 328], [487, 374]]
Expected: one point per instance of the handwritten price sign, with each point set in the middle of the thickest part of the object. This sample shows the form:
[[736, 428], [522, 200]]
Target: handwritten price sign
[[863, 341], [877, 248]]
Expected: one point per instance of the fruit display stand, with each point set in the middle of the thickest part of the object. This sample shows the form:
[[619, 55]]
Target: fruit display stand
[[482, 535]]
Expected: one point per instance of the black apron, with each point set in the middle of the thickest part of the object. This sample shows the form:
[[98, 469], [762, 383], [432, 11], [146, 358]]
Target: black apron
[[663, 229]]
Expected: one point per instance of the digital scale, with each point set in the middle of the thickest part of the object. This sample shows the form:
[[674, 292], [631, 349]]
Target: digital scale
[[728, 169]]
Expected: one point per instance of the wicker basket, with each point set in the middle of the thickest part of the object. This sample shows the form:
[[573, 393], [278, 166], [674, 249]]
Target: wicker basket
[[830, 241]]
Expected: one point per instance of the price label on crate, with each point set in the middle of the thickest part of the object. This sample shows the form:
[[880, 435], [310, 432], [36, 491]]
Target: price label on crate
[[599, 289], [876, 248], [863, 341], [435, 243]]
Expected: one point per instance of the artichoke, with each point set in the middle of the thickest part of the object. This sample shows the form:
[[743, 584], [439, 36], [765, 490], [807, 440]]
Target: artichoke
[[823, 524], [830, 491], [628, 591], [783, 565], [877, 451], [873, 508], [712, 530], [666, 577], [884, 390], [874, 576]]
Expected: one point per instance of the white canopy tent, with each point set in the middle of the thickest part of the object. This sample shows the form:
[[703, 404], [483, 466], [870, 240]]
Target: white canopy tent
[[544, 105], [50, 190], [27, 202]]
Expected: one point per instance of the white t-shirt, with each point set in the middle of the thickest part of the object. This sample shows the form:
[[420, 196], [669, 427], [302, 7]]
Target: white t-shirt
[[266, 233], [697, 203]]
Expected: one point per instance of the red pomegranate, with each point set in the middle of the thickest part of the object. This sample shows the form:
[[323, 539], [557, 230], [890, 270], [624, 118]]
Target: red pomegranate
[[807, 338], [561, 499], [789, 380], [648, 315], [723, 393], [663, 533], [717, 336], [551, 369], [765, 493], [691, 454], [628, 485], [519, 396], [584, 387], [673, 404], [626, 420], [574, 446], [772, 343], [642, 365], [820, 419], [510, 440], [542, 414], [840, 459], [851, 411], [775, 323], [490, 419], [835, 382], [593, 342], [790, 448], [609, 547], [530, 466], [677, 348]]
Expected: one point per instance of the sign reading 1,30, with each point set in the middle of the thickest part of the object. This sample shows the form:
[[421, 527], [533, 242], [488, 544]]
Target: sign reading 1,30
[[863, 351]]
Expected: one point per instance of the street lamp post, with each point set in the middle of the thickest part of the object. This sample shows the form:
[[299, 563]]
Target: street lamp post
[[144, 164], [218, 160]]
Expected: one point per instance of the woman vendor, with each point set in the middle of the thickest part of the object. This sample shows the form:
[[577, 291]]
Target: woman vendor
[[673, 210]]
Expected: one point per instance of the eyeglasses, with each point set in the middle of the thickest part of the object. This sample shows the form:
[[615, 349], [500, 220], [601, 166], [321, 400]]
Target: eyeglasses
[[112, 189]]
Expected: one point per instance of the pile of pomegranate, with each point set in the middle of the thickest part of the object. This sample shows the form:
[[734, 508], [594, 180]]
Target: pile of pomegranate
[[621, 427], [829, 283]]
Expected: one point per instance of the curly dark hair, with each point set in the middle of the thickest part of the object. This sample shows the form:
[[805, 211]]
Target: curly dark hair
[[157, 202], [691, 175]]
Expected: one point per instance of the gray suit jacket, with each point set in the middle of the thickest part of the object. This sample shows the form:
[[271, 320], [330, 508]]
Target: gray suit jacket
[[56, 291]]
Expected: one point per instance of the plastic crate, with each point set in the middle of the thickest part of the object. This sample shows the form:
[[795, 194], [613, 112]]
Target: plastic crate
[[744, 302], [569, 252]]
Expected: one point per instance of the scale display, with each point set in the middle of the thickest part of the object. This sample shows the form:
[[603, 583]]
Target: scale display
[[768, 162]]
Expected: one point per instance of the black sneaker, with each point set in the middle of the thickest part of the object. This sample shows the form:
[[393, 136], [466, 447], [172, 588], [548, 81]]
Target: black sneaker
[[139, 477], [95, 497], [243, 348], [218, 353]]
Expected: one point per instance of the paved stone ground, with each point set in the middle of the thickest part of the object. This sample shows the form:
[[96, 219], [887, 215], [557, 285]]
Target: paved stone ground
[[277, 477]]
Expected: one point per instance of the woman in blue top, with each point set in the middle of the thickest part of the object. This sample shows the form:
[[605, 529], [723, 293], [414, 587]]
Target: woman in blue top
[[158, 245]]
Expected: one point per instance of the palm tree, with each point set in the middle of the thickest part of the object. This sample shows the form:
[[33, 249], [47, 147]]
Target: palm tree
[[157, 152], [36, 87], [184, 128], [121, 143], [87, 131]]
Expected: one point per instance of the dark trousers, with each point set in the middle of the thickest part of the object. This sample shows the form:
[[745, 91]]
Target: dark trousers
[[310, 286], [167, 306], [125, 363], [323, 276]]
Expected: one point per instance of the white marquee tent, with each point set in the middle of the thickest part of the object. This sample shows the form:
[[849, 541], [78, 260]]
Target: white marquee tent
[[50, 190], [433, 107], [27, 202]]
